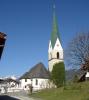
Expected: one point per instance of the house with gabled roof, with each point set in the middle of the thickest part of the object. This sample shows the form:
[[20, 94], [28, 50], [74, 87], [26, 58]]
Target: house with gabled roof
[[37, 76]]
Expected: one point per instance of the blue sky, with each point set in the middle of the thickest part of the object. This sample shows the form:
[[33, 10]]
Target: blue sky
[[28, 25]]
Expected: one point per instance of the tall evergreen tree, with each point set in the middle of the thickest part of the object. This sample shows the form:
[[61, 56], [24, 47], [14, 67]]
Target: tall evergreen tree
[[58, 74]]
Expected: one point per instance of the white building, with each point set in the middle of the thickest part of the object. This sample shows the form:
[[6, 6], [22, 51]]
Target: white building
[[9, 84], [55, 51], [38, 77]]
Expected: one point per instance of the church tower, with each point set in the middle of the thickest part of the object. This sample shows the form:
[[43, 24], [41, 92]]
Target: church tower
[[55, 51]]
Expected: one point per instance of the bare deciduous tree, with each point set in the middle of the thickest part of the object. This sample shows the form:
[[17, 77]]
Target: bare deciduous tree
[[77, 53]]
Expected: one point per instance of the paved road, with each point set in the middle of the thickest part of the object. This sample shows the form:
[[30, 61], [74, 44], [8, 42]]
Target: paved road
[[20, 95], [5, 97]]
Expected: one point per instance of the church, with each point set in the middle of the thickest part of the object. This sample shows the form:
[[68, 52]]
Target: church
[[38, 76], [55, 51]]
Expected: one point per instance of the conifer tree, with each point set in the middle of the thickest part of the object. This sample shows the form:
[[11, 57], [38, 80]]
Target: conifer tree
[[58, 74]]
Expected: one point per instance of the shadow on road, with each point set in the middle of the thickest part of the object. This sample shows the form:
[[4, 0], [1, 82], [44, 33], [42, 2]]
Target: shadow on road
[[5, 97]]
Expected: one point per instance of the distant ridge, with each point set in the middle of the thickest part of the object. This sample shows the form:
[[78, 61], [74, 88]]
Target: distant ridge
[[72, 72]]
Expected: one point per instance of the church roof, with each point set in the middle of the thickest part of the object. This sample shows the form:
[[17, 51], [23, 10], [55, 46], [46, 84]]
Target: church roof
[[55, 31], [38, 71]]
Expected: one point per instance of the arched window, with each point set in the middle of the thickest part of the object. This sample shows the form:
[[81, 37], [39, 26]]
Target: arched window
[[36, 82], [25, 80], [57, 55]]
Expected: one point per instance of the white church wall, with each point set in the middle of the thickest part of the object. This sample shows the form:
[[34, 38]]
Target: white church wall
[[58, 48], [52, 54], [24, 83], [58, 45], [50, 47], [41, 83]]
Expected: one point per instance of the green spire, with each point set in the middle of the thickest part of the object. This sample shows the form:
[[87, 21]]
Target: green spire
[[55, 32]]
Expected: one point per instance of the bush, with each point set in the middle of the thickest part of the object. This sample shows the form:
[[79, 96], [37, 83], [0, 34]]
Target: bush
[[58, 74]]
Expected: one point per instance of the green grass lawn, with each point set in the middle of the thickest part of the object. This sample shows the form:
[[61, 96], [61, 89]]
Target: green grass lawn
[[78, 91]]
